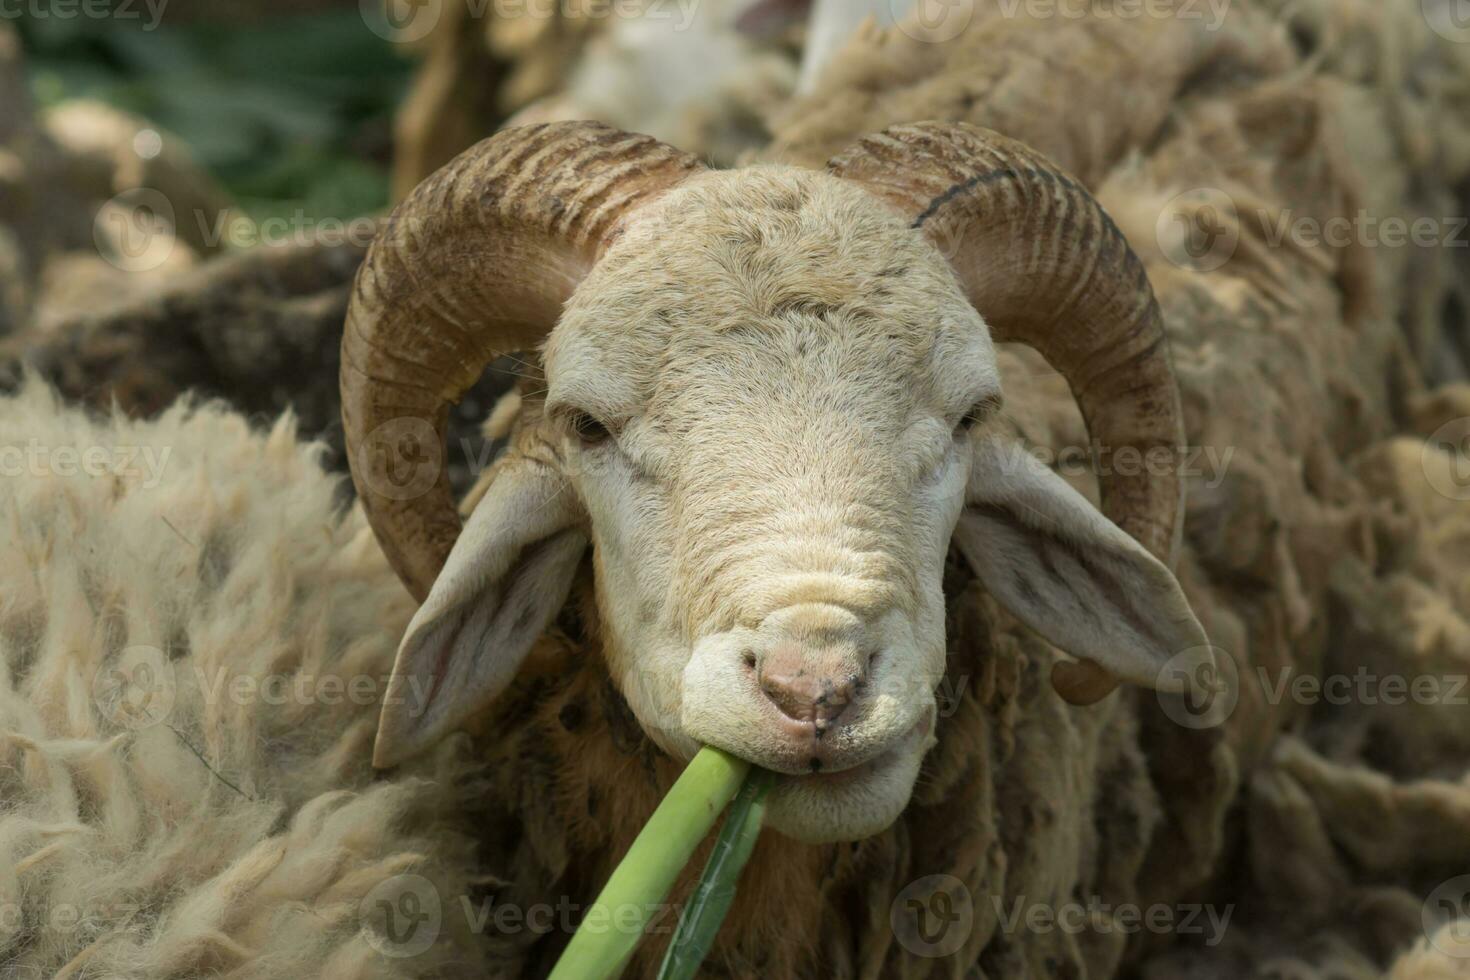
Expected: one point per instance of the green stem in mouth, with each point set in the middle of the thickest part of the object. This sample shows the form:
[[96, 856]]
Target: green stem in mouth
[[711, 900], [614, 924]]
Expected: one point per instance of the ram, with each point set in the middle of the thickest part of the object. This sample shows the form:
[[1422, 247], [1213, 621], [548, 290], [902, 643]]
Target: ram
[[774, 483]]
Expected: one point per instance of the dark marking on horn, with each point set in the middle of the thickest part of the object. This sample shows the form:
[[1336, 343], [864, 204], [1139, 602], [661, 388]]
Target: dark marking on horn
[[1046, 265], [964, 187]]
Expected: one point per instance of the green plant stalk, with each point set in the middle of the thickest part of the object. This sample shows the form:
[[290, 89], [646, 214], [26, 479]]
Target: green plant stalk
[[613, 926], [711, 900]]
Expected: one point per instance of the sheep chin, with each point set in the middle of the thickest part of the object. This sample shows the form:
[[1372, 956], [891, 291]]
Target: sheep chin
[[854, 803]]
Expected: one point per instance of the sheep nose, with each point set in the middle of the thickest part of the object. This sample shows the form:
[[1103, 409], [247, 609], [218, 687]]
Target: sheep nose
[[811, 687], [807, 698], [812, 663]]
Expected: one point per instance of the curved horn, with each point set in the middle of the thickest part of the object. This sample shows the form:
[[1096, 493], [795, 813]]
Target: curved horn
[[476, 262], [1045, 266]]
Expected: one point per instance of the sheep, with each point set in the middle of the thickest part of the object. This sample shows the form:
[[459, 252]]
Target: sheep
[[208, 830], [1276, 627], [729, 81], [1023, 798], [86, 216], [488, 65]]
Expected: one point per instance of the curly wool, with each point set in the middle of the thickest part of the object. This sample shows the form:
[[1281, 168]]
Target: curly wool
[[1317, 549], [229, 826]]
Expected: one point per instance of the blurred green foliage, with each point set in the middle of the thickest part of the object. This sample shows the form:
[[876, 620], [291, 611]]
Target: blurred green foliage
[[293, 114]]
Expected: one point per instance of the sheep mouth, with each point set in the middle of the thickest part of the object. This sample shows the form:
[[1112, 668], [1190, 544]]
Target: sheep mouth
[[819, 774]]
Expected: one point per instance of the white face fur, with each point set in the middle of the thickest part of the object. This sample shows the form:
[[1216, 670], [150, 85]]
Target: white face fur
[[766, 411]]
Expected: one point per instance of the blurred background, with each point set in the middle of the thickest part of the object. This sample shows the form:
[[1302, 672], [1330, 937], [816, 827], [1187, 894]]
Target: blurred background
[[287, 108], [188, 186], [186, 189]]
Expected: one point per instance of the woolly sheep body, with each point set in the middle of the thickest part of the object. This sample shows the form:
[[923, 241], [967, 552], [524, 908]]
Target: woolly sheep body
[[1319, 546], [234, 825]]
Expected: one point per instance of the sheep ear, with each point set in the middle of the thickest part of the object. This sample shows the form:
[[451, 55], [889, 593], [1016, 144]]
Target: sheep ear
[[507, 576], [1071, 574]]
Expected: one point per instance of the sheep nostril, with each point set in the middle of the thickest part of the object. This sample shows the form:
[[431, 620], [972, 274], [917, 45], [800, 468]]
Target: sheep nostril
[[817, 701]]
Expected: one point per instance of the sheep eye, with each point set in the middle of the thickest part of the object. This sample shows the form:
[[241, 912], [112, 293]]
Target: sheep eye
[[589, 429], [982, 410]]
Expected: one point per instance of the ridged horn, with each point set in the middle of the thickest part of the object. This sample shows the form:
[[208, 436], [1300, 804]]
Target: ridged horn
[[476, 262], [1045, 266]]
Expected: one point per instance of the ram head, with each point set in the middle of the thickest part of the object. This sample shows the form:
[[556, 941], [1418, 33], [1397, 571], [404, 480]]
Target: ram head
[[768, 413]]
